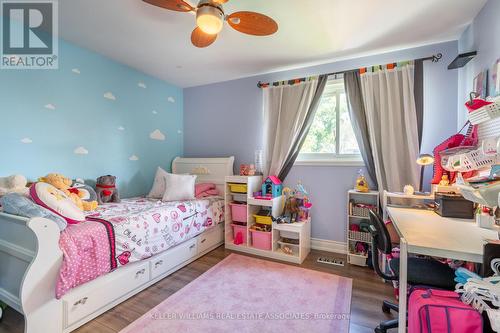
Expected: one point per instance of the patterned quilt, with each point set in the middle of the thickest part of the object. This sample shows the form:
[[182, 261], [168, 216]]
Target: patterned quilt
[[132, 230]]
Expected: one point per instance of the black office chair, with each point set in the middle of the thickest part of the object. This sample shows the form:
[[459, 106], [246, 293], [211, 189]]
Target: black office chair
[[421, 271]]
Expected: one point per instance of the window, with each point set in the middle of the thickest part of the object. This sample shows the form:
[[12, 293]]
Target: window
[[331, 137]]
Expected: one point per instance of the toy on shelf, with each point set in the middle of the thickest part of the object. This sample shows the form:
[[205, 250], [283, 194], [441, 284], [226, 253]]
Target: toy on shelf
[[272, 187], [445, 180], [261, 227], [297, 205], [361, 183], [247, 169]]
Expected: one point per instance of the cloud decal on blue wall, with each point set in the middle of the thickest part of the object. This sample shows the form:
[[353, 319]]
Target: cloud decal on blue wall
[[142, 85], [109, 95], [76, 70], [171, 99], [157, 135], [50, 106], [133, 158], [121, 128], [81, 151], [26, 140]]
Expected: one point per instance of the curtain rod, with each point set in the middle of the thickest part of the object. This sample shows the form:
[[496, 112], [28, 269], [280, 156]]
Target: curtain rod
[[433, 58]]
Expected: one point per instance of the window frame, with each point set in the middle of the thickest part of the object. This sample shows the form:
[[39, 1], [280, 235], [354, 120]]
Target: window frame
[[335, 159]]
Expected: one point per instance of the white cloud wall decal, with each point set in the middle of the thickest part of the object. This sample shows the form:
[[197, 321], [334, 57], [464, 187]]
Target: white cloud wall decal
[[157, 135], [50, 106], [133, 158], [109, 95], [154, 112], [179, 132], [142, 85], [121, 128], [76, 70], [171, 99], [26, 140], [81, 151]]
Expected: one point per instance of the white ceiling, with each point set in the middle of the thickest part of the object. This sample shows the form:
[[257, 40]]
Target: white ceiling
[[157, 41]]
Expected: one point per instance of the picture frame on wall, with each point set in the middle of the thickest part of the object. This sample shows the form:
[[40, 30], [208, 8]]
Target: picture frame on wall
[[480, 83], [494, 79]]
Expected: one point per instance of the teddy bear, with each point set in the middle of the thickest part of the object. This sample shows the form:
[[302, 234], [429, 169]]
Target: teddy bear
[[106, 189], [64, 184], [13, 184]]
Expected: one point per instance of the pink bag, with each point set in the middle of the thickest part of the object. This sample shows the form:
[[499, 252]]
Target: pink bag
[[441, 311]]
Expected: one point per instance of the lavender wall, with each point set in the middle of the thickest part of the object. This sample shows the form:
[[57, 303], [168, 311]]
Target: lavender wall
[[225, 118], [483, 36]]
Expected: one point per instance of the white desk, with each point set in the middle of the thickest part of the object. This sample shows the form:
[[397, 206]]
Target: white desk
[[425, 232]]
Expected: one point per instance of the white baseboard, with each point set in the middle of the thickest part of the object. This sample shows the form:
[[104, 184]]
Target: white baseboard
[[328, 245]]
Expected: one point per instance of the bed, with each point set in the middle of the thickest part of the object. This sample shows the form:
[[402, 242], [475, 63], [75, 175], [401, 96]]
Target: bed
[[32, 264]]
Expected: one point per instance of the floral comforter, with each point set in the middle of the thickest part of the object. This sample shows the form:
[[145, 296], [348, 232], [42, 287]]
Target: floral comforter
[[132, 230]]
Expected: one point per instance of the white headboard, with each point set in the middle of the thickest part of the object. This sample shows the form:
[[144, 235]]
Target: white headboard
[[208, 170]]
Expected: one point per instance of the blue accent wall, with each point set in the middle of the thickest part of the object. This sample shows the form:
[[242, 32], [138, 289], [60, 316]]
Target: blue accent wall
[[61, 121], [225, 119]]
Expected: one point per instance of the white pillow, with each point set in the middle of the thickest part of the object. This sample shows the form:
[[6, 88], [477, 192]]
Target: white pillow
[[159, 185], [179, 187]]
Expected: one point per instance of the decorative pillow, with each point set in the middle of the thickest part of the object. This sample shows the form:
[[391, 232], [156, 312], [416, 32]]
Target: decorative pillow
[[159, 185], [179, 187], [57, 202], [17, 204]]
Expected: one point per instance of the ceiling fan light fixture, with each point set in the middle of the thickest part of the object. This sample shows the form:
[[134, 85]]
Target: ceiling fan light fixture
[[210, 19]]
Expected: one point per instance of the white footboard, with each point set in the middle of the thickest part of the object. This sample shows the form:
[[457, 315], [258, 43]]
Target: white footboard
[[30, 259]]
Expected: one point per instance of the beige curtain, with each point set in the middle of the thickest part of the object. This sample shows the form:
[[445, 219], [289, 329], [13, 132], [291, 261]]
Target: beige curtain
[[389, 101], [286, 110]]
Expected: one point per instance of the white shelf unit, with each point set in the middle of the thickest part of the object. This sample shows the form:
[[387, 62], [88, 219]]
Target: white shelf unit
[[353, 237], [300, 230]]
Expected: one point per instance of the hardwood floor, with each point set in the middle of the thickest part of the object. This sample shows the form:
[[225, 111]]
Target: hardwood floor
[[368, 293]]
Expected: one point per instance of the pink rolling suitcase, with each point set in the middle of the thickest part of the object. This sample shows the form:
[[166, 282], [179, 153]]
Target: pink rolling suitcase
[[441, 311]]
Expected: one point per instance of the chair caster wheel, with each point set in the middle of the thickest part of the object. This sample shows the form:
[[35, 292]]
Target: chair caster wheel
[[385, 308], [379, 329]]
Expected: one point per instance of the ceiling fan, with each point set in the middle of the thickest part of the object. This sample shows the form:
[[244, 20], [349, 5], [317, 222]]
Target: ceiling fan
[[210, 19]]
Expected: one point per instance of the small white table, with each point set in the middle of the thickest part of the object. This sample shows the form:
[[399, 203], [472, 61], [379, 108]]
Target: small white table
[[425, 232]]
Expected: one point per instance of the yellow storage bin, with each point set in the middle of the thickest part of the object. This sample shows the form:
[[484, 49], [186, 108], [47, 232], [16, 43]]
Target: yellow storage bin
[[263, 217], [238, 188]]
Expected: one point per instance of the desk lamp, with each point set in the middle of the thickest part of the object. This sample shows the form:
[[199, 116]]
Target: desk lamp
[[423, 160]]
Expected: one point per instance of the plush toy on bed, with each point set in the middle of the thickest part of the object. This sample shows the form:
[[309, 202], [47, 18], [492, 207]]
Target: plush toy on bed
[[106, 189], [13, 184], [64, 184]]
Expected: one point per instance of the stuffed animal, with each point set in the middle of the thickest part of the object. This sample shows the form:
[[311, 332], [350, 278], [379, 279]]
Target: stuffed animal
[[106, 189], [88, 192], [13, 184], [64, 184]]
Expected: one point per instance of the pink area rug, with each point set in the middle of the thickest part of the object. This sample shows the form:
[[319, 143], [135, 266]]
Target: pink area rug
[[243, 294]]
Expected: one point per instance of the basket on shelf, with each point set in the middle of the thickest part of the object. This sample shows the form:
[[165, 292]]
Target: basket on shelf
[[485, 113], [362, 210], [360, 236], [465, 159]]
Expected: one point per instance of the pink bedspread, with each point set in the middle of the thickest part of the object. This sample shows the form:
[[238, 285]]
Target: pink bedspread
[[132, 230]]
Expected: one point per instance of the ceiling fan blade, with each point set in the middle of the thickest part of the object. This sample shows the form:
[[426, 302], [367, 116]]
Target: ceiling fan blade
[[201, 39], [177, 5], [221, 2], [252, 23]]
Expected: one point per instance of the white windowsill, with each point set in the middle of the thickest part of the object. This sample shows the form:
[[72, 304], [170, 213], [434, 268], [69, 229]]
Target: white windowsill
[[337, 162]]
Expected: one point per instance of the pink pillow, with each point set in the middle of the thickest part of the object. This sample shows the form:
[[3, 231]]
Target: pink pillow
[[205, 189]]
